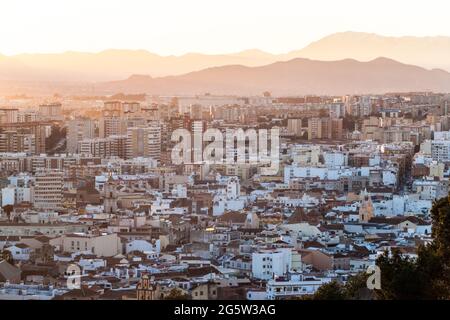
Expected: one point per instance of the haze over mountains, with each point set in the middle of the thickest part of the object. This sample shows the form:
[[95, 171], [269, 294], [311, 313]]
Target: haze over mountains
[[297, 76], [252, 71], [428, 52]]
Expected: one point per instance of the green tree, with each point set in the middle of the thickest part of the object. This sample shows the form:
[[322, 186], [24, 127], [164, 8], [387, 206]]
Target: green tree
[[356, 287], [400, 277], [434, 259], [330, 291], [428, 276]]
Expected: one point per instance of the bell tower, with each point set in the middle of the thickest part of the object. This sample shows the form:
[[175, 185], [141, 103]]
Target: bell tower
[[110, 196], [366, 210]]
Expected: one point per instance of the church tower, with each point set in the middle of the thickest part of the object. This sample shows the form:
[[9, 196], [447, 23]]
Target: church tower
[[366, 210], [109, 196]]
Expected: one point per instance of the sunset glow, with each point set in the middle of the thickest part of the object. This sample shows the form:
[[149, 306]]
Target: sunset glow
[[224, 155], [179, 26]]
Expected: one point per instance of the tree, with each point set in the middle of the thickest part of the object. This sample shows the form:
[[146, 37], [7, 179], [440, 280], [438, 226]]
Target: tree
[[400, 277], [330, 291], [440, 214], [356, 287], [176, 294], [434, 259], [428, 276]]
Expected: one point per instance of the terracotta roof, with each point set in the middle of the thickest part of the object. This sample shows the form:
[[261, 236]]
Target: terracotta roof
[[233, 217], [84, 292], [312, 244], [8, 271]]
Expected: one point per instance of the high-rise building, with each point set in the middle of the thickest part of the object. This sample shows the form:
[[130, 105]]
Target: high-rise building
[[110, 107], [137, 142], [48, 189], [112, 121], [52, 111], [154, 140], [294, 127], [30, 130], [78, 130], [112, 125], [336, 128], [196, 112], [197, 143], [27, 116], [9, 115], [325, 128], [16, 141], [113, 146], [318, 128], [440, 150], [131, 107]]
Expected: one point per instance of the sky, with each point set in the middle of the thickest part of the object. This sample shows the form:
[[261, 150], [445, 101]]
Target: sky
[[175, 27]]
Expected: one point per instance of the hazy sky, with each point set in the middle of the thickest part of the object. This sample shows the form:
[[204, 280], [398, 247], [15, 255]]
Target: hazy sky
[[209, 26]]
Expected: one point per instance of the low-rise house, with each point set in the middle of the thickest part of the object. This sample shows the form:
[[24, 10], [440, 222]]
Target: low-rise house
[[103, 245], [296, 286], [142, 246], [19, 251]]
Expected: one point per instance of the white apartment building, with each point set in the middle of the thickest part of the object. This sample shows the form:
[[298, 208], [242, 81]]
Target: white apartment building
[[28, 292], [22, 184], [429, 189], [8, 196], [298, 285], [268, 263]]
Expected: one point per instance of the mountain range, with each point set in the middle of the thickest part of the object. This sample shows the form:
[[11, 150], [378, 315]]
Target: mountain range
[[296, 76], [427, 52]]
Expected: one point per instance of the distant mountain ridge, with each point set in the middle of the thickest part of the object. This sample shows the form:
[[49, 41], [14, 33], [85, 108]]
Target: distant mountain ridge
[[297, 76], [428, 52]]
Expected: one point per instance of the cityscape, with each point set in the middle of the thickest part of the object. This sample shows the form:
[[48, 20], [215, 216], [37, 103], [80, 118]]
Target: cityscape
[[306, 175]]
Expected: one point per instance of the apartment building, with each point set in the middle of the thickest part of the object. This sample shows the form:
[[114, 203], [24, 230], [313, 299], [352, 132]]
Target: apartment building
[[269, 263], [48, 189], [325, 128], [113, 146], [144, 141], [78, 130], [52, 111]]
